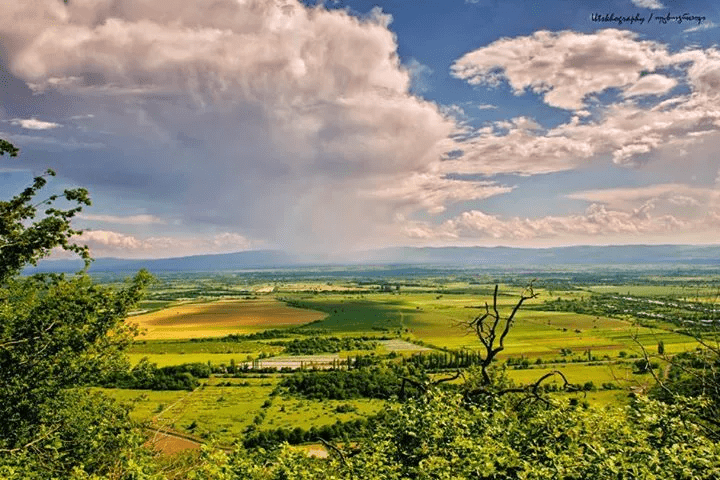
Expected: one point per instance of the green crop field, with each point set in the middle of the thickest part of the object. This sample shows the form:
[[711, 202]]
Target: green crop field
[[380, 312], [146, 403], [621, 374], [220, 411]]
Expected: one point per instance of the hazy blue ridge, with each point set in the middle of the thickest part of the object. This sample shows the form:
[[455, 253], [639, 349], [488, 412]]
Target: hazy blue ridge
[[450, 256]]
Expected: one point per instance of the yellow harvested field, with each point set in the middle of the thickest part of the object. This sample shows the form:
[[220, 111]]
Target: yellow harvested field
[[214, 319]]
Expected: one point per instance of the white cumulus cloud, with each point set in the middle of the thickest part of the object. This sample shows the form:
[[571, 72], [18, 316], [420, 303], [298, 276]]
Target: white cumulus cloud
[[124, 220], [104, 243], [109, 240], [234, 113], [432, 192], [652, 4], [34, 124], [650, 85], [596, 222], [568, 70], [563, 67]]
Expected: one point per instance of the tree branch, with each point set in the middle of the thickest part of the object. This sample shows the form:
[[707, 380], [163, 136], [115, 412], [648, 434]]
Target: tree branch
[[334, 449], [28, 445], [486, 325]]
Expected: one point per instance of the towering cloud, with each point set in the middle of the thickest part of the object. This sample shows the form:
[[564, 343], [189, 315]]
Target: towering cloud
[[247, 114], [298, 127]]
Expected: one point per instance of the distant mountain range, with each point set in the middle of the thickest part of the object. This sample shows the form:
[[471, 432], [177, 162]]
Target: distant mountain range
[[438, 256], [254, 259], [577, 255]]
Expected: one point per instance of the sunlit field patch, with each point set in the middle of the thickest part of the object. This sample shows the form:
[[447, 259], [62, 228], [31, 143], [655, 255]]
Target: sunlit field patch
[[215, 319], [544, 334], [620, 374]]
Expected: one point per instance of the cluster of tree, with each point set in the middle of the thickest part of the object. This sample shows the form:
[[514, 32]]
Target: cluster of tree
[[148, 376], [294, 302], [644, 365], [351, 430], [196, 293], [377, 381], [589, 305], [315, 345], [521, 363], [242, 370], [449, 359], [361, 361], [269, 334]]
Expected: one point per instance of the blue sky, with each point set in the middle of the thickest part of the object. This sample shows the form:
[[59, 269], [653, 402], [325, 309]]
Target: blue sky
[[337, 126]]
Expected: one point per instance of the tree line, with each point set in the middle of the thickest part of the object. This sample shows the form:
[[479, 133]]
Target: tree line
[[316, 345], [376, 381], [345, 431], [148, 376]]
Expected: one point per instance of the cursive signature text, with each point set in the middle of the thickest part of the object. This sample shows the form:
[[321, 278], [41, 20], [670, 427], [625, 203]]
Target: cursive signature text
[[637, 18]]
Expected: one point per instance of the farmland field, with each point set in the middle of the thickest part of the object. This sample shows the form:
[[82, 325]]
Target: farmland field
[[241, 330], [213, 319], [224, 409]]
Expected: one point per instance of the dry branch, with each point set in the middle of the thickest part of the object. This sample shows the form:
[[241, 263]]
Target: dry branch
[[486, 327]]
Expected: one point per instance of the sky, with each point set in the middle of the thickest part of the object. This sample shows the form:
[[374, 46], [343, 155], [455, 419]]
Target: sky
[[212, 126]]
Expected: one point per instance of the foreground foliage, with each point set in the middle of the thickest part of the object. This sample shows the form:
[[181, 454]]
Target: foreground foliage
[[695, 375], [443, 436], [57, 334]]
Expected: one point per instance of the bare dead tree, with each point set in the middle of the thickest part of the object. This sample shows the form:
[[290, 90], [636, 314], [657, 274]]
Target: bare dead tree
[[491, 328]]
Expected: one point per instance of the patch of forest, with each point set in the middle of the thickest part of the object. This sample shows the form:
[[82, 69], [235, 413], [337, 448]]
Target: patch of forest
[[382, 381], [316, 345]]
